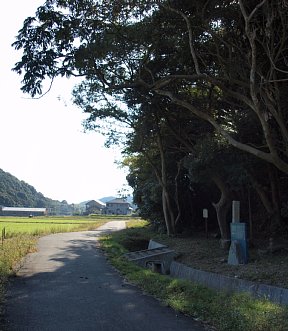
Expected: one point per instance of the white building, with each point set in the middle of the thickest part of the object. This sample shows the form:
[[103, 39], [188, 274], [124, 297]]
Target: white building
[[117, 206]]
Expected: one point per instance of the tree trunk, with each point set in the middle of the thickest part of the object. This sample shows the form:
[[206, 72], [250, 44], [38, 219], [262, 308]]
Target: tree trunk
[[166, 199], [273, 176], [263, 196], [168, 213], [222, 208], [179, 212], [251, 233], [269, 197], [161, 176]]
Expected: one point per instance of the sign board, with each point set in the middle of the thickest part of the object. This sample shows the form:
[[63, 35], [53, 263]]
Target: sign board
[[205, 213]]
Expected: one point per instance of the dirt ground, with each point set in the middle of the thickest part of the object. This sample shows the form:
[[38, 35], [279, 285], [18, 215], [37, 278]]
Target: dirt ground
[[266, 265]]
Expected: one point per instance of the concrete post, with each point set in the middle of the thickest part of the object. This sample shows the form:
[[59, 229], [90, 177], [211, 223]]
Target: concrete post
[[235, 211]]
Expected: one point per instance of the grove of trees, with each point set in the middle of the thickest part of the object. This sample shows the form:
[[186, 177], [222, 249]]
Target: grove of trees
[[195, 92]]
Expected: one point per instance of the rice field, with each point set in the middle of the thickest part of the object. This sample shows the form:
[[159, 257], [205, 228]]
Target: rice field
[[38, 226]]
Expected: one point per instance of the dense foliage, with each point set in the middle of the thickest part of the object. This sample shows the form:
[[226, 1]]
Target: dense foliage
[[197, 88]]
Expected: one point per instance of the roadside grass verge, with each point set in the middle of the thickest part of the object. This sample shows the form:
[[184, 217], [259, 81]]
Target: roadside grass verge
[[225, 312]]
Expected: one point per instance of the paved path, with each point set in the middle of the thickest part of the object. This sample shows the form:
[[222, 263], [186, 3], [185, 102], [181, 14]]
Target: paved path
[[69, 286]]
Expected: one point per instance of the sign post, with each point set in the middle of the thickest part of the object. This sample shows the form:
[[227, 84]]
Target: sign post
[[205, 216]]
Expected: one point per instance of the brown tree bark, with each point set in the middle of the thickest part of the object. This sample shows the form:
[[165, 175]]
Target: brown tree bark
[[263, 195], [269, 196], [177, 201], [273, 176], [166, 199], [222, 208]]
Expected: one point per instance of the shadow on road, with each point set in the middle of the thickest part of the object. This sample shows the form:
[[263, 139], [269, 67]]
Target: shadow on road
[[68, 285]]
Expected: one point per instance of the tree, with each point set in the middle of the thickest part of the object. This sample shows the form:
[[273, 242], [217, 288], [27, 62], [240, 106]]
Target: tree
[[237, 53], [221, 64], [240, 53]]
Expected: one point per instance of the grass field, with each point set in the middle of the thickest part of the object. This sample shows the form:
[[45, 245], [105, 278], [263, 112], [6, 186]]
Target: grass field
[[38, 226]]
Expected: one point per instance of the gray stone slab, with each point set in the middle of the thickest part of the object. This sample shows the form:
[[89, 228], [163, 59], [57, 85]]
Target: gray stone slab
[[146, 258], [235, 256], [156, 255], [154, 244]]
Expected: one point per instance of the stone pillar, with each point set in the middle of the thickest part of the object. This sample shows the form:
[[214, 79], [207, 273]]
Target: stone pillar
[[235, 211], [238, 253]]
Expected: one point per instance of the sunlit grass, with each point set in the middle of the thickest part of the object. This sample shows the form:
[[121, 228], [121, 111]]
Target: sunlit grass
[[38, 226]]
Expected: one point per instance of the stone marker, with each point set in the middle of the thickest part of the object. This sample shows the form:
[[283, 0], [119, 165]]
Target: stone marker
[[205, 216], [235, 254], [235, 211], [238, 253]]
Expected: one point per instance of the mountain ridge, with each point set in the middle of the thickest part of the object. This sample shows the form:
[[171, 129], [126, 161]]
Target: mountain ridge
[[18, 193]]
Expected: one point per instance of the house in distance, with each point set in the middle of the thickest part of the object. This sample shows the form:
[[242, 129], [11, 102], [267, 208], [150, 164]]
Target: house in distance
[[94, 207], [118, 206]]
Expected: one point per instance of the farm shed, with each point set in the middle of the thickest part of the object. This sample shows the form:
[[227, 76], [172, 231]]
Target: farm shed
[[22, 211]]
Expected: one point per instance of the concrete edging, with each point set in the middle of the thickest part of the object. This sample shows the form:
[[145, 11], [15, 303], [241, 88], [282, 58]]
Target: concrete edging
[[224, 283]]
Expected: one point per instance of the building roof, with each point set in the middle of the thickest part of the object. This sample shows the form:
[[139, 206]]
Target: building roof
[[24, 209], [97, 202], [118, 200]]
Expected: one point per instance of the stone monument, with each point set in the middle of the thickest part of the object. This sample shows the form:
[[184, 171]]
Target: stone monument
[[238, 253]]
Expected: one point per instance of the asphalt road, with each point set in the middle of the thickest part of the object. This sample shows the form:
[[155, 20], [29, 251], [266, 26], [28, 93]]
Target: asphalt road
[[67, 285]]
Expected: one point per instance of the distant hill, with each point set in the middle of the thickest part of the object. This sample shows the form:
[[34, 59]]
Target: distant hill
[[128, 199], [105, 199], [17, 193]]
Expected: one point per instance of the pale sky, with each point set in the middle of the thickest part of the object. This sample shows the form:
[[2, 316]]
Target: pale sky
[[42, 141]]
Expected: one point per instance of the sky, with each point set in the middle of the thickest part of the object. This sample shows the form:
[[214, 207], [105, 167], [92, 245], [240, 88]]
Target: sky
[[42, 142]]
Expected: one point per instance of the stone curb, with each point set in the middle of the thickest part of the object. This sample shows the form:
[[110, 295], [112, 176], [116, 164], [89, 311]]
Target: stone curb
[[223, 283]]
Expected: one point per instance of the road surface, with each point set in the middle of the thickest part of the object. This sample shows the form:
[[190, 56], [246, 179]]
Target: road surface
[[67, 285]]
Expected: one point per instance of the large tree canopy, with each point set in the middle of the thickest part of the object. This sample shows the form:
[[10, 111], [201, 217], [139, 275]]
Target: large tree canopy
[[217, 70], [234, 51]]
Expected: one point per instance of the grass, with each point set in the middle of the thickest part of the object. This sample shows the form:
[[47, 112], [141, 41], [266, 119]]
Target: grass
[[223, 311], [45, 225]]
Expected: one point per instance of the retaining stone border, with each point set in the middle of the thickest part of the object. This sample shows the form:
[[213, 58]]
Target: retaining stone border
[[223, 283]]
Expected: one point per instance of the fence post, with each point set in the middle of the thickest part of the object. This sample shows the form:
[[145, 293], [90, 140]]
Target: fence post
[[3, 235]]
